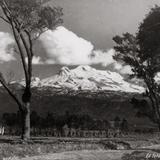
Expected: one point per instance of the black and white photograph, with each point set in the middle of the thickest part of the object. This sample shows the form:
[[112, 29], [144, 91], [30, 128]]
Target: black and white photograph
[[79, 79]]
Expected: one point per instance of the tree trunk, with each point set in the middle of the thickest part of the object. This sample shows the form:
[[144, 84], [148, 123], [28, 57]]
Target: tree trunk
[[26, 122], [158, 126]]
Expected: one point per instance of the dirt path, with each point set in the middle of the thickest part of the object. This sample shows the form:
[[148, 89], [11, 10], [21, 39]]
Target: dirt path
[[82, 155]]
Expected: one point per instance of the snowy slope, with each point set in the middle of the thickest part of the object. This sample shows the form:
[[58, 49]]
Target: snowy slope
[[84, 78], [88, 78]]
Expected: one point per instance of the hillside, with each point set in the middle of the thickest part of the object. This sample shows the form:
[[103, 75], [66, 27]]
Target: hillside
[[83, 90]]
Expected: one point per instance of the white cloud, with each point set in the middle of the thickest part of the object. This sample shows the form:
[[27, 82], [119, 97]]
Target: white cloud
[[66, 48], [6, 54], [104, 58], [36, 60], [126, 70]]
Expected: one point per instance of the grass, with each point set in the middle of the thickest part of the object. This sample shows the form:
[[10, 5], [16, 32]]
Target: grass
[[97, 155], [82, 155], [14, 147]]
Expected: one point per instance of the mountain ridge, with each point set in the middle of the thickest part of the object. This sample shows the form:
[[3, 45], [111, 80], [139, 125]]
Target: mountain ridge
[[87, 78]]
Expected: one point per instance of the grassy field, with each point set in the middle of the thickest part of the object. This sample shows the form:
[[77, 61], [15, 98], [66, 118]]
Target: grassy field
[[82, 155], [12, 148], [98, 155]]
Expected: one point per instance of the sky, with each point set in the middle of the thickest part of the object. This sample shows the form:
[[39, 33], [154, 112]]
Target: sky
[[84, 39]]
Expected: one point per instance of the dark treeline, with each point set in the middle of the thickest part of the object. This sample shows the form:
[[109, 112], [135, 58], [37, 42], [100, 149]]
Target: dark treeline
[[51, 120]]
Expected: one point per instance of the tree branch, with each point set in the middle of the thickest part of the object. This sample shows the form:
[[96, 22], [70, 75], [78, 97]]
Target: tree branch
[[1, 17], [30, 56], [21, 52], [11, 93], [30, 42], [9, 17]]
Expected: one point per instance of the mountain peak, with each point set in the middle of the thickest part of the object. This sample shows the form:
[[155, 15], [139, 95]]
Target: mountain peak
[[84, 68], [35, 82], [64, 71], [85, 77]]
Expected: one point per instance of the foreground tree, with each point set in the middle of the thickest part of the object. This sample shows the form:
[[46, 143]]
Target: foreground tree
[[28, 19], [142, 53]]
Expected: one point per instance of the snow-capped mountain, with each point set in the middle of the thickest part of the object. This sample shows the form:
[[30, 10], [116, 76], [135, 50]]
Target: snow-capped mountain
[[36, 82], [84, 78], [88, 78]]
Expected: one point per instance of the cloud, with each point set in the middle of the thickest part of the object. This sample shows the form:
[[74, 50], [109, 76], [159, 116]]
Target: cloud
[[125, 70], [66, 48], [6, 50], [104, 58], [36, 60]]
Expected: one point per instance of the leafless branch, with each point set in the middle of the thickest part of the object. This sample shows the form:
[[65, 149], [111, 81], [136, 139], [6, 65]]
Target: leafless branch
[[1, 17], [11, 93], [16, 37], [21, 52]]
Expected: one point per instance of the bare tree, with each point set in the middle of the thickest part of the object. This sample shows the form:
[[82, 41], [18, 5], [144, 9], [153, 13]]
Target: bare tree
[[28, 19]]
